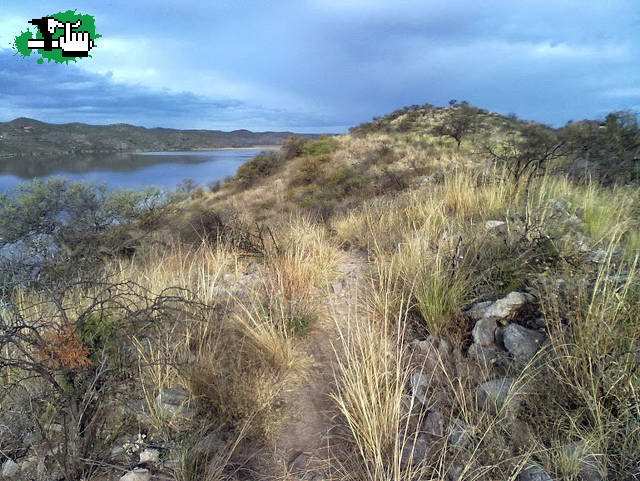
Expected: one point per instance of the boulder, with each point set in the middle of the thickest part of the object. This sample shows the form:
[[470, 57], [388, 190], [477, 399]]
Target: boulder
[[430, 351], [503, 308], [137, 474], [173, 396], [496, 225], [174, 402], [587, 462], [520, 341], [533, 472], [484, 332], [497, 395], [433, 424], [10, 469], [150, 455], [484, 354], [414, 450], [477, 310], [459, 433], [419, 384]]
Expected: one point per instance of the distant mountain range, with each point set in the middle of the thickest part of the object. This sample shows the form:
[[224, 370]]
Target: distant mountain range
[[28, 137]]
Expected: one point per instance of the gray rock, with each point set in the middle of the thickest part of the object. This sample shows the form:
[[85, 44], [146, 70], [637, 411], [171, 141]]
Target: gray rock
[[484, 354], [433, 424], [533, 472], [415, 450], [477, 310], [484, 332], [336, 287], [431, 351], [10, 469], [459, 433], [173, 396], [497, 395], [504, 307], [137, 475], [419, 384], [150, 455], [520, 341], [174, 402], [498, 225]]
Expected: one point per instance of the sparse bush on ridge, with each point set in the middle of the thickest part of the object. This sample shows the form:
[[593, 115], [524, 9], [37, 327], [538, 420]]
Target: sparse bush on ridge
[[460, 121]]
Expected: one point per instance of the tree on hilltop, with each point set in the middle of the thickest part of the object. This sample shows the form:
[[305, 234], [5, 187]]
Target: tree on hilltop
[[460, 122]]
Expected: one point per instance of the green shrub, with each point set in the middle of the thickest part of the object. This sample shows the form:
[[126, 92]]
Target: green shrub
[[262, 165], [293, 146], [308, 169], [66, 226], [322, 145]]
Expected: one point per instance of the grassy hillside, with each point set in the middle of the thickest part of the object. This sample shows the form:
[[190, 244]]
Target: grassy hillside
[[440, 294]]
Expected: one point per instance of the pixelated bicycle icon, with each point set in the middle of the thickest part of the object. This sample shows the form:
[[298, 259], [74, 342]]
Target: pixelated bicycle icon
[[72, 44]]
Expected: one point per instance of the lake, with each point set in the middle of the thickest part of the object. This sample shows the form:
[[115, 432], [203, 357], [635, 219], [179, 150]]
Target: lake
[[130, 171]]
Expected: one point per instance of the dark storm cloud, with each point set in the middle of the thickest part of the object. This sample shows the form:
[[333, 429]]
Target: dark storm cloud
[[318, 64], [66, 93]]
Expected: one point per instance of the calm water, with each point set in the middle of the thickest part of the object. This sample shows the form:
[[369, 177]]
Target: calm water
[[131, 171]]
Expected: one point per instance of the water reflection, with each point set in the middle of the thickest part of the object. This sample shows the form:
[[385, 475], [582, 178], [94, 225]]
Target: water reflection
[[164, 169]]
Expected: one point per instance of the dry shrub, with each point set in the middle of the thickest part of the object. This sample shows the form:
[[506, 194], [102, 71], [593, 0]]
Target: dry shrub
[[60, 349], [235, 383]]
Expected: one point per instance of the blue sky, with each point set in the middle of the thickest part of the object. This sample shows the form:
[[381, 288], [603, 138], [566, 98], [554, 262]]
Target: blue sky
[[325, 65]]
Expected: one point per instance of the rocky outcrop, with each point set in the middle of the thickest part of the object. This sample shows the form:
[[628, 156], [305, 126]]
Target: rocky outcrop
[[491, 337]]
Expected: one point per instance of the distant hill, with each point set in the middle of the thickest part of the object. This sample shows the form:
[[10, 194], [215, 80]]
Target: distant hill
[[25, 136]]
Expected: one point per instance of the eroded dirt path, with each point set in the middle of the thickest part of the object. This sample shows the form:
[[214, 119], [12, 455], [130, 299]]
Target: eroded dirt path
[[302, 445]]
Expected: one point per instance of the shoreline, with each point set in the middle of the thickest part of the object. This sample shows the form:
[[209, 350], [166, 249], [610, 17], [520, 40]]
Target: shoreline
[[107, 152], [261, 147]]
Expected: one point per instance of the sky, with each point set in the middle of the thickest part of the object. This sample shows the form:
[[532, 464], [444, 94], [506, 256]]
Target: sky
[[326, 65]]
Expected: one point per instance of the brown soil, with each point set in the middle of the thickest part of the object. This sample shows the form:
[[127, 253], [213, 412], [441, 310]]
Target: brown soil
[[304, 440]]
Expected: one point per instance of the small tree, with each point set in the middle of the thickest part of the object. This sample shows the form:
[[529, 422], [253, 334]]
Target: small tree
[[527, 152], [293, 146], [608, 151], [461, 121]]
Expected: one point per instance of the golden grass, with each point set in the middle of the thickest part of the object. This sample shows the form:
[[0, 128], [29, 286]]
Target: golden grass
[[371, 379], [199, 269]]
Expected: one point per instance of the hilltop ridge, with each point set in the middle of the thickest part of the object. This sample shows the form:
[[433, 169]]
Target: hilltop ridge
[[28, 137]]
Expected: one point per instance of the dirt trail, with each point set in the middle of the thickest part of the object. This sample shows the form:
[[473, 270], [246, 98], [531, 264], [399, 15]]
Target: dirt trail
[[303, 442]]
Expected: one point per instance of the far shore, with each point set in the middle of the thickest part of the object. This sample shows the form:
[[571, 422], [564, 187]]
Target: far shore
[[262, 147], [92, 152]]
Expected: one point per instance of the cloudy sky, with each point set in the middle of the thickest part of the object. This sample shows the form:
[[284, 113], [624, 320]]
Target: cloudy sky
[[325, 65]]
